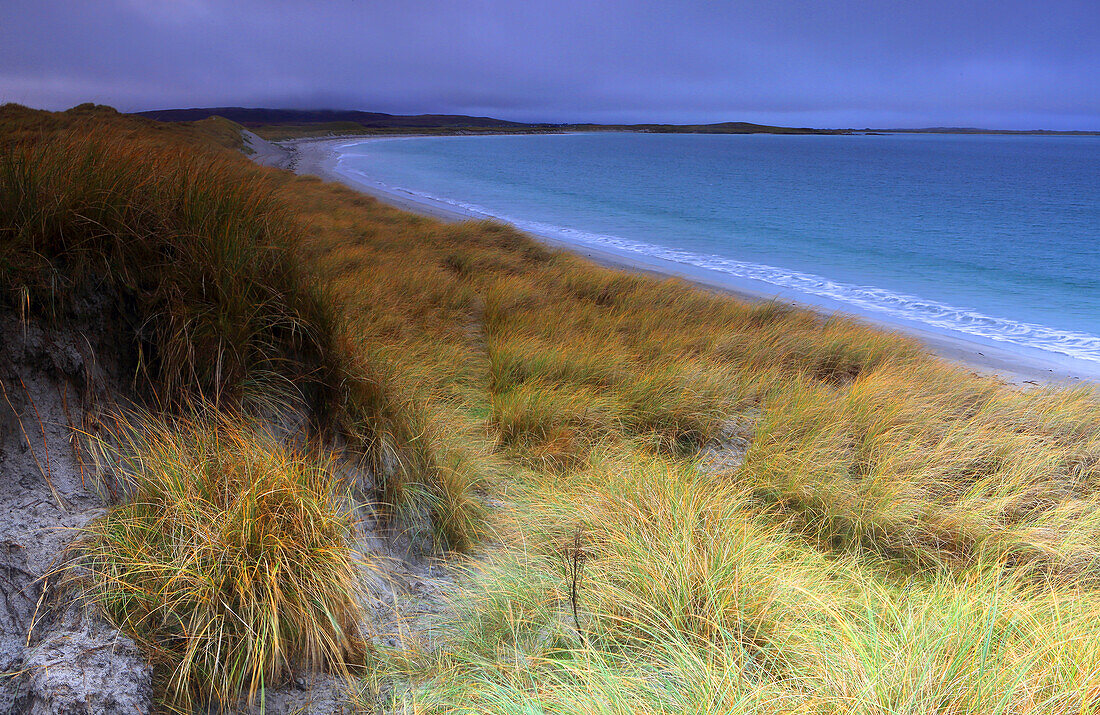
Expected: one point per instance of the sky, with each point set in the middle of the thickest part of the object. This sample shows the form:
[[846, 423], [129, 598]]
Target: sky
[[1013, 64]]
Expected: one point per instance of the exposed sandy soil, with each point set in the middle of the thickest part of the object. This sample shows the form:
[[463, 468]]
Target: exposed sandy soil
[[66, 659], [264, 152]]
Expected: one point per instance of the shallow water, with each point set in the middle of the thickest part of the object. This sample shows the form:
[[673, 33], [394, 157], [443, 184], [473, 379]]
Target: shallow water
[[988, 237]]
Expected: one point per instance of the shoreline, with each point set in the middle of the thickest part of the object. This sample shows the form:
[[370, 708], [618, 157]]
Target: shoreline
[[319, 157]]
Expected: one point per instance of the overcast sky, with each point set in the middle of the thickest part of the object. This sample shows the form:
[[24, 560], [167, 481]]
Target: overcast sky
[[883, 63]]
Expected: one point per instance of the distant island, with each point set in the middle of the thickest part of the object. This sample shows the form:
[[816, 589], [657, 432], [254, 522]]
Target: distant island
[[291, 123]]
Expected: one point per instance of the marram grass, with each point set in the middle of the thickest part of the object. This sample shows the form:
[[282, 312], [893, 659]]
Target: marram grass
[[231, 561], [192, 255], [902, 537], [689, 601]]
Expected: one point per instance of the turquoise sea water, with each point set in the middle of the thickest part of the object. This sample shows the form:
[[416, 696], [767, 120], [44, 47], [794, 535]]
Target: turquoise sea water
[[994, 238]]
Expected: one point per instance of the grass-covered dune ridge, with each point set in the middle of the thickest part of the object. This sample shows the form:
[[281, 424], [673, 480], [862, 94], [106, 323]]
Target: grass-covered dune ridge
[[196, 254], [671, 500], [200, 255]]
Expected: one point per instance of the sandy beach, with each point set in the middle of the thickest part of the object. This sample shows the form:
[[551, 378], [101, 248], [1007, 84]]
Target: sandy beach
[[319, 158]]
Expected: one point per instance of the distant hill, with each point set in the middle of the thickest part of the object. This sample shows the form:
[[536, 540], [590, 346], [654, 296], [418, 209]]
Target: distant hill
[[289, 122], [370, 120]]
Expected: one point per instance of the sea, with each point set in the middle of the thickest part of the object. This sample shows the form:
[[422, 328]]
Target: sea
[[991, 238]]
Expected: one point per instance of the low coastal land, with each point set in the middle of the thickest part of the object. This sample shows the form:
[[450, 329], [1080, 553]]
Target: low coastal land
[[297, 123], [318, 156], [282, 124]]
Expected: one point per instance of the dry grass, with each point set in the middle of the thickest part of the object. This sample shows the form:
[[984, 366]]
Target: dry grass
[[691, 601], [231, 561], [195, 256], [192, 256], [935, 468], [22, 125], [903, 536]]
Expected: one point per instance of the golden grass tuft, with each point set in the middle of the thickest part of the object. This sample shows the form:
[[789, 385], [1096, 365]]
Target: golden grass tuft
[[934, 468], [232, 560]]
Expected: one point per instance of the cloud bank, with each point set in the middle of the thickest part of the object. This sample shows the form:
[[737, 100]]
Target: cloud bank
[[1007, 64]]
